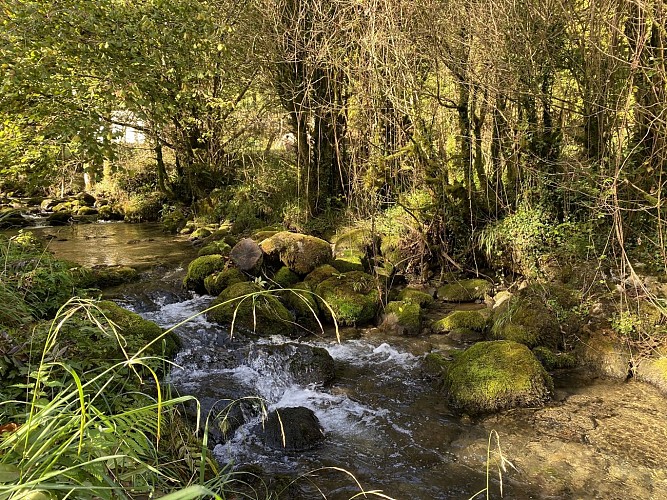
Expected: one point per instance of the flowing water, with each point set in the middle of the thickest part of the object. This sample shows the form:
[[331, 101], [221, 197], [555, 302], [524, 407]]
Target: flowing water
[[384, 422]]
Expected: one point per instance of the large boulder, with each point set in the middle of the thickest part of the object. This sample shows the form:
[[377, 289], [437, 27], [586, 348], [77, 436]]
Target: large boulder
[[471, 320], [605, 352], [415, 296], [217, 282], [292, 429], [249, 307], [526, 319], [402, 318], [493, 376], [247, 256], [353, 297], [306, 364], [319, 274], [299, 252], [200, 268]]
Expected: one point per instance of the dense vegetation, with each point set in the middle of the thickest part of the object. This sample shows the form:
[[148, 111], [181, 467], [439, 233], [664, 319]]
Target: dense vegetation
[[511, 139]]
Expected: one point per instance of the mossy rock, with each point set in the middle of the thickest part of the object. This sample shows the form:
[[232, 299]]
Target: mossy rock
[[301, 301], [299, 252], [104, 276], [59, 218], [354, 297], [200, 234], [263, 234], [285, 278], [434, 366], [320, 274], [392, 251], [217, 282], [497, 375], [527, 320], [358, 239], [470, 320], [350, 260], [200, 268], [415, 296], [465, 290], [606, 353], [87, 211], [10, 218], [108, 212], [215, 247], [465, 335], [654, 371], [261, 313], [402, 318], [173, 221], [80, 340], [554, 360]]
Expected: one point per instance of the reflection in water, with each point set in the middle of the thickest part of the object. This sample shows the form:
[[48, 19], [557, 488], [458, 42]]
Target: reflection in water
[[115, 244]]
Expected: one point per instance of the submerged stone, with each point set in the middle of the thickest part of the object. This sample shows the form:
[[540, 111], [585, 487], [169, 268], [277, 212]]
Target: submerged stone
[[306, 364], [497, 375], [292, 429]]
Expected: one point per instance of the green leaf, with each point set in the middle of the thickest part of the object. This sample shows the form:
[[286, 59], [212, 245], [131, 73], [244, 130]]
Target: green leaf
[[9, 473]]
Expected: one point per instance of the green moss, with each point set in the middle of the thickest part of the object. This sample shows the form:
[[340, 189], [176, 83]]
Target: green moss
[[554, 360], [472, 320], [304, 305], [350, 260], [404, 318], [200, 234], [354, 297], [358, 239], [250, 308], [434, 366], [200, 268], [299, 252], [87, 211], [526, 319], [415, 296], [216, 283], [492, 376], [320, 274], [285, 278], [465, 290], [390, 248], [104, 276], [215, 247]]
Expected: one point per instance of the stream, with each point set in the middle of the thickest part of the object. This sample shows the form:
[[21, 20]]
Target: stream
[[384, 422]]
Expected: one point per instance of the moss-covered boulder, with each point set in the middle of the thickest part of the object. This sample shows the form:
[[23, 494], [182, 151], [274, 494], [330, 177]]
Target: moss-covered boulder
[[402, 318], [434, 365], [358, 239], [416, 296], [248, 307], [606, 353], [301, 301], [527, 320], [471, 320], [284, 278], [465, 290], [215, 248], [299, 252], [497, 375], [200, 268], [61, 218], [217, 282], [552, 360], [93, 346], [354, 297], [200, 234], [103, 276], [85, 211], [320, 274], [350, 260], [109, 212]]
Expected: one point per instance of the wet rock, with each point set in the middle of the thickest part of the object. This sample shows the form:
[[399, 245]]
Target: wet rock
[[47, 204], [86, 199], [12, 219], [299, 252], [470, 320], [247, 256], [249, 307], [525, 318], [60, 218], [465, 290], [354, 297], [304, 363], [200, 268], [402, 318], [217, 282], [292, 429], [492, 376]]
